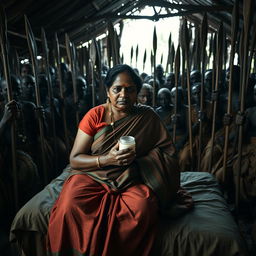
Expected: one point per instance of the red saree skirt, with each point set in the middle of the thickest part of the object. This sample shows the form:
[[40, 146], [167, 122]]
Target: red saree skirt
[[90, 219]]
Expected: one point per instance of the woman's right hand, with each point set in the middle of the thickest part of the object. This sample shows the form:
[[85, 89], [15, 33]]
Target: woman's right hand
[[120, 157]]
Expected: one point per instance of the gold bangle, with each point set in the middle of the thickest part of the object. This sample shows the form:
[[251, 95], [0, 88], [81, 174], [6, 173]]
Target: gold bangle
[[98, 162]]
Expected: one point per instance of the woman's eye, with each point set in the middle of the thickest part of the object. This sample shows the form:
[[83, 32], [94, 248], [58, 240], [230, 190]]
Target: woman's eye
[[116, 90]]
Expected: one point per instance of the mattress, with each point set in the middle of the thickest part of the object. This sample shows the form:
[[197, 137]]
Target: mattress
[[208, 229]]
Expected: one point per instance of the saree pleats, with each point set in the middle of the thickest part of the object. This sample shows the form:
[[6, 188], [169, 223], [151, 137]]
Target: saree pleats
[[90, 219]]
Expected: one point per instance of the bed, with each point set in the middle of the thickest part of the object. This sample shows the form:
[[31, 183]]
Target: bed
[[208, 229]]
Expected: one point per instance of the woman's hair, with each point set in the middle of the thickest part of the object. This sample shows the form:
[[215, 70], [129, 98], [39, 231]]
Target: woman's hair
[[121, 68]]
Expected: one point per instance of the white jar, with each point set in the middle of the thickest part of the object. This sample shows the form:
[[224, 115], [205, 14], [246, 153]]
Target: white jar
[[127, 142]]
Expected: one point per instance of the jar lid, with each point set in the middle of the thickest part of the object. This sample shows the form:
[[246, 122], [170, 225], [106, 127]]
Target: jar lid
[[127, 140]]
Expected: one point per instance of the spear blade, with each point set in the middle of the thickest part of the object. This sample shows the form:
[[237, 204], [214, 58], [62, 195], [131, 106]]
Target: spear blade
[[144, 59], [137, 54], [131, 55]]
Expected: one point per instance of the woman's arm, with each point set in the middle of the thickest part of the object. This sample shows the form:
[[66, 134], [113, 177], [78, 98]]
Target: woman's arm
[[81, 159]]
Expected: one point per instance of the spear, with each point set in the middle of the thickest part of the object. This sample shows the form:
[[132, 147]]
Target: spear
[[203, 43], [169, 53], [93, 60], [144, 59], [111, 43], [182, 42], [136, 55], [215, 95], [177, 74], [4, 51], [154, 65], [186, 41], [234, 29], [61, 87], [102, 90], [86, 59], [252, 53], [152, 61], [109, 49], [172, 56], [50, 92], [17, 62], [116, 48], [33, 54], [247, 17], [70, 48], [161, 60], [210, 49], [225, 51], [131, 55], [122, 58], [195, 50]]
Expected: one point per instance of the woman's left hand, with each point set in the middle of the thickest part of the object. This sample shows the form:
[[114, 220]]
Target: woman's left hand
[[120, 157]]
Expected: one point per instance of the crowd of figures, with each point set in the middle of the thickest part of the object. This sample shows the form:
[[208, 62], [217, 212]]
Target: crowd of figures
[[171, 104]]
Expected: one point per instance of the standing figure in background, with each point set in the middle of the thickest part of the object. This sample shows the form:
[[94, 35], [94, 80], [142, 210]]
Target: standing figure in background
[[145, 96]]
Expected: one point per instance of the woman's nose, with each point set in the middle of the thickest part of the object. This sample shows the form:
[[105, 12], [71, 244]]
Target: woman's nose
[[123, 92]]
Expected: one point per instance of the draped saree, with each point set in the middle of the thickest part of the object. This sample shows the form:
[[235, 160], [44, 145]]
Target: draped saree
[[114, 210]]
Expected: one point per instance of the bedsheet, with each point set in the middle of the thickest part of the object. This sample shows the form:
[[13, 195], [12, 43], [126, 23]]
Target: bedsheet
[[207, 230]]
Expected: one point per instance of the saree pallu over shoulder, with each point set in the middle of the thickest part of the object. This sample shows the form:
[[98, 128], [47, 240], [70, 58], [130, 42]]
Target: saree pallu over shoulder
[[155, 165]]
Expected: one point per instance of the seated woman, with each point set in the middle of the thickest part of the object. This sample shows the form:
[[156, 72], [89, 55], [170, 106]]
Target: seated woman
[[110, 203]]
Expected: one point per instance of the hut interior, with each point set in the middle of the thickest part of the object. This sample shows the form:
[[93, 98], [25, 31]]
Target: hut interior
[[57, 48]]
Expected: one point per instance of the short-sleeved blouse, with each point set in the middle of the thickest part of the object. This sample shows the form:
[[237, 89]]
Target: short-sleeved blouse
[[92, 121]]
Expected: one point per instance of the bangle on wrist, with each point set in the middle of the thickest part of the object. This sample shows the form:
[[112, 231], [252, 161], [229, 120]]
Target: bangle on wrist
[[98, 162]]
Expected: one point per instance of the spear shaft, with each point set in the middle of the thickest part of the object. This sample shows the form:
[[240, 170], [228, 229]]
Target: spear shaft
[[247, 15], [234, 28], [203, 38], [177, 74], [154, 63], [186, 50], [93, 60], [50, 93], [71, 57], [33, 54], [4, 51], [218, 73], [61, 87]]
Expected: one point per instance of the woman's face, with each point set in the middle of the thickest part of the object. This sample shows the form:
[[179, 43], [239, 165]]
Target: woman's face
[[123, 92]]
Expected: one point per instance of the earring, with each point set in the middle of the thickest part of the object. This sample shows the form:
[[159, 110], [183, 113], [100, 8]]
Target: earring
[[108, 100]]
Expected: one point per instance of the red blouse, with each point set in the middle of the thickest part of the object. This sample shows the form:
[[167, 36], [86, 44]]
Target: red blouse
[[92, 121]]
